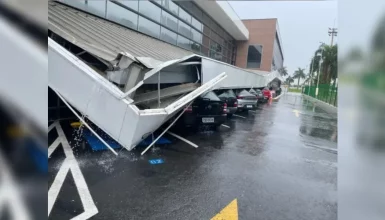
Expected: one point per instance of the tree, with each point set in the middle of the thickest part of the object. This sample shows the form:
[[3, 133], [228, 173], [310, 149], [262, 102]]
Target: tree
[[329, 67], [298, 74], [289, 80], [283, 71]]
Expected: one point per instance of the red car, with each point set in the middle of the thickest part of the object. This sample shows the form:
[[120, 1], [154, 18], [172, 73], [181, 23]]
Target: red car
[[266, 94]]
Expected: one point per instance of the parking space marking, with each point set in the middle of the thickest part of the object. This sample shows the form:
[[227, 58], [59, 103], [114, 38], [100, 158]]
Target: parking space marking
[[230, 212], [70, 164], [10, 196], [226, 126], [183, 139], [53, 147], [240, 116], [252, 111]]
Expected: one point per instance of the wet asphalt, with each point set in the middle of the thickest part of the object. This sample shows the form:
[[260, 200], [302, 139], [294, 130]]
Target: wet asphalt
[[280, 162]]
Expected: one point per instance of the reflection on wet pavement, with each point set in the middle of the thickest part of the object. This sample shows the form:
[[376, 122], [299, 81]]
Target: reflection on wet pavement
[[277, 166]]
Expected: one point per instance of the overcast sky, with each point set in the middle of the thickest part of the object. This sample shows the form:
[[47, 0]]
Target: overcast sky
[[302, 25]]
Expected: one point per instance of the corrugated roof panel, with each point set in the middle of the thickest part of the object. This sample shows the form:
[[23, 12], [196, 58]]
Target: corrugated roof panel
[[106, 39]]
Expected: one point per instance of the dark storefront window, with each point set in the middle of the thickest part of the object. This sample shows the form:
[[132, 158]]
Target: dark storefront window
[[180, 23], [254, 56]]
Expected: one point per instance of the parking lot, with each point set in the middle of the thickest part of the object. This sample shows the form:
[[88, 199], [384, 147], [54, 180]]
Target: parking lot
[[277, 162]]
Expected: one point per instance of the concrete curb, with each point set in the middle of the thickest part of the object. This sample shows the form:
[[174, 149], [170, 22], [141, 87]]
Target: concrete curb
[[323, 105]]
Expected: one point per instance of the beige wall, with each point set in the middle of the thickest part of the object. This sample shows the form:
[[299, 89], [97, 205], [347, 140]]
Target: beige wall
[[262, 32]]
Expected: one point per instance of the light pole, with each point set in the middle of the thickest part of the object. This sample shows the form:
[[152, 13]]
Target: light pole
[[311, 68], [319, 70]]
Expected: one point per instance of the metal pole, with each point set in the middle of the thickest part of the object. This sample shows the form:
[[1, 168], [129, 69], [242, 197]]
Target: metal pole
[[319, 73], [165, 130], [311, 68]]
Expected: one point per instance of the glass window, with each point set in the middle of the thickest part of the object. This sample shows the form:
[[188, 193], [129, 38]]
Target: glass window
[[205, 51], [210, 95], [197, 12], [183, 42], [186, 4], [170, 6], [214, 36], [184, 29], [150, 10], [133, 4], [121, 15], [215, 55], [169, 21], [197, 24], [97, 8], [196, 47], [168, 35], [216, 47], [196, 36], [184, 16], [206, 20], [77, 4], [206, 30], [148, 27], [254, 56], [206, 41]]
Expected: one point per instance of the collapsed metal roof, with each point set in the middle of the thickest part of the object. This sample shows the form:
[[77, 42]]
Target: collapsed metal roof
[[106, 39]]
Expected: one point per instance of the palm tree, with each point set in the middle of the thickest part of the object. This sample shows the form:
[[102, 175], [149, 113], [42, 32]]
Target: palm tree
[[300, 73], [289, 80], [329, 63], [283, 71]]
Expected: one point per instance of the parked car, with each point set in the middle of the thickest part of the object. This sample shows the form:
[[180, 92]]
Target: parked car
[[246, 101], [229, 97], [266, 94], [258, 93], [207, 109]]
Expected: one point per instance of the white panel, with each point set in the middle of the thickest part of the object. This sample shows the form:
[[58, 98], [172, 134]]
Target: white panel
[[24, 74], [104, 109], [236, 77], [128, 129]]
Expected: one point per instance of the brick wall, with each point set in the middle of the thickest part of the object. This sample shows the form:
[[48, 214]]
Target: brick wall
[[262, 32]]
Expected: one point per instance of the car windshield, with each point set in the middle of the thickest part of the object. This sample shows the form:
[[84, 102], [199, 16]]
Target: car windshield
[[210, 95], [226, 94], [258, 91]]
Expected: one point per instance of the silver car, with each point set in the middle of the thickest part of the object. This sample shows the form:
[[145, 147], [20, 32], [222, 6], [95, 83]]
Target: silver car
[[246, 101]]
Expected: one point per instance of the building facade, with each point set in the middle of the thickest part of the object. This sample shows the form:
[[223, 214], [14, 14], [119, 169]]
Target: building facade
[[263, 50], [207, 28], [180, 23]]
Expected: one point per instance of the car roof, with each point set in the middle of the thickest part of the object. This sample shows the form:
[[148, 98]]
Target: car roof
[[244, 92]]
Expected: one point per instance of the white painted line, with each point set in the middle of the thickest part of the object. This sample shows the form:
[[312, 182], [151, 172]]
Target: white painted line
[[10, 195], [54, 190], [70, 164], [52, 126], [252, 111], [226, 126], [183, 139], [239, 116], [53, 147]]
